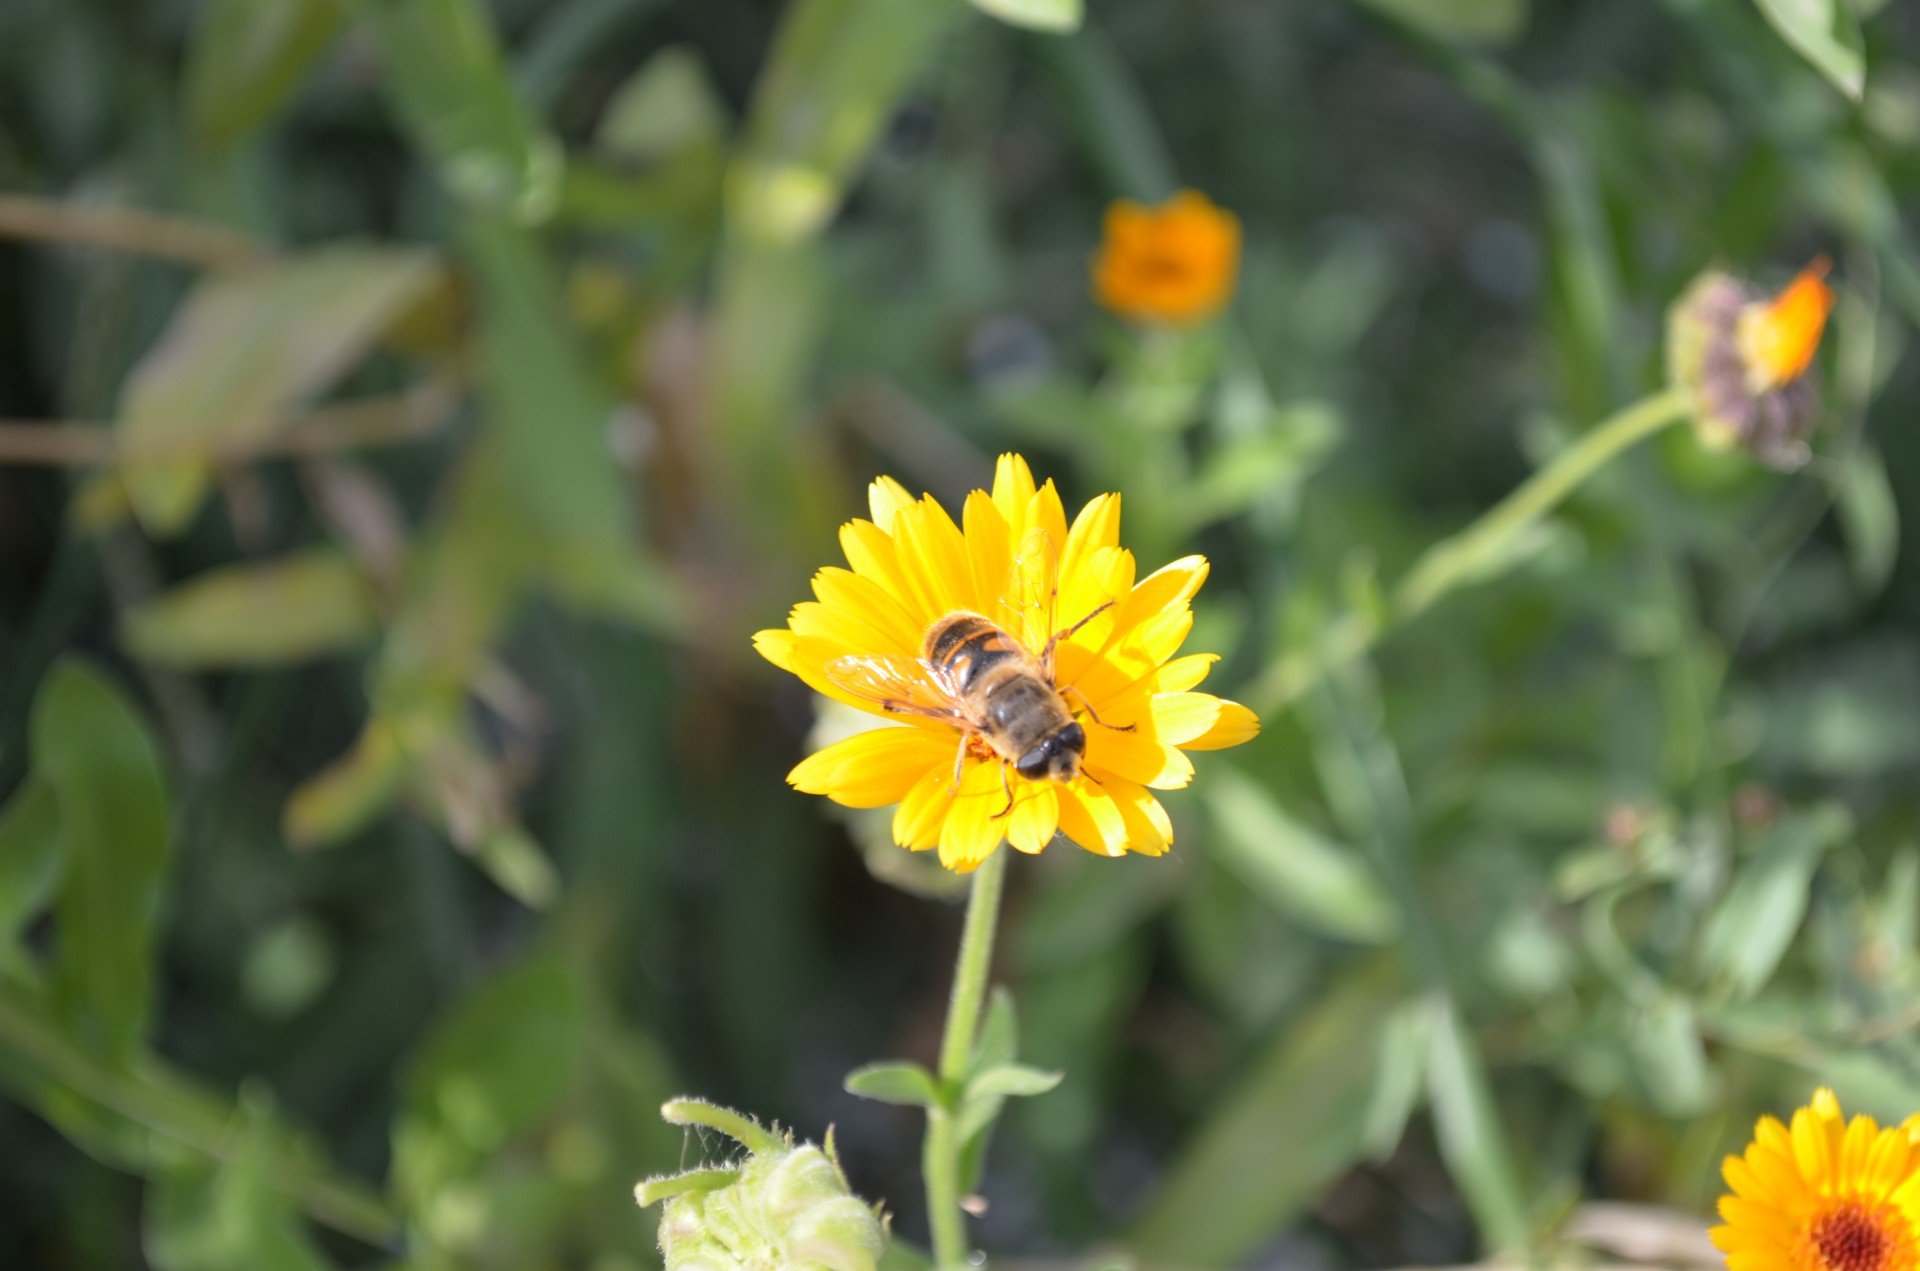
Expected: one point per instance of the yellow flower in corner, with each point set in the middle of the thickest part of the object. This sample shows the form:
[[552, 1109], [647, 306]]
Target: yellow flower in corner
[[1032, 676], [1825, 1194], [1174, 263]]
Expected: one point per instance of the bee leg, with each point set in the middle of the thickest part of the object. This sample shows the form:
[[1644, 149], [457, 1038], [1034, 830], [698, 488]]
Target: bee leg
[[959, 758], [1046, 655], [1006, 784], [1118, 728]]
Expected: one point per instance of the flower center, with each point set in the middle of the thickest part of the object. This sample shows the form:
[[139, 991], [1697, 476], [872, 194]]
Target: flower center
[[1166, 265], [1857, 1235]]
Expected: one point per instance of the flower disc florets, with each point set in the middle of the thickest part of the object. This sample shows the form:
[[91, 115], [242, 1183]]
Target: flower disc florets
[[1745, 359], [1013, 560], [1826, 1194]]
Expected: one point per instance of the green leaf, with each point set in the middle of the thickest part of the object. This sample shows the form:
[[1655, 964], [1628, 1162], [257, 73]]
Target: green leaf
[[999, 1039], [1035, 15], [986, 1094], [1825, 33], [29, 858], [494, 1067], [299, 607], [450, 87], [345, 796], [1400, 1069], [1466, 21], [1749, 930], [896, 1082], [1663, 1038], [92, 750], [512, 858], [1302, 874], [1109, 110], [666, 107], [247, 57], [547, 410], [241, 351], [1005, 1081], [1472, 1140], [228, 1217], [1870, 518], [1234, 1185]]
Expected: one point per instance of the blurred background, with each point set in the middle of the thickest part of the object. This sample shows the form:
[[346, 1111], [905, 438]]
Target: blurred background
[[413, 406]]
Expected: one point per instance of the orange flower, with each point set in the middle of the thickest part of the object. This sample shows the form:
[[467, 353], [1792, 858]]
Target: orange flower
[[1778, 338], [1746, 360], [1823, 1194], [1174, 263]]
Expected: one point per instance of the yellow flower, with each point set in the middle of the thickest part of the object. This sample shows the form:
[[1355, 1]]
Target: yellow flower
[[1744, 358], [1174, 263], [1826, 1195], [1013, 560]]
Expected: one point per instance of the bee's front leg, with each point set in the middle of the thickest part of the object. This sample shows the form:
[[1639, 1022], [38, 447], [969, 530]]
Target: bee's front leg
[[959, 758], [1006, 783]]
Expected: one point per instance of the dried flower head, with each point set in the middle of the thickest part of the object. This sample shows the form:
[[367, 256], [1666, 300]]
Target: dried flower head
[[1745, 359], [786, 1207], [1172, 264], [960, 632], [1825, 1194]]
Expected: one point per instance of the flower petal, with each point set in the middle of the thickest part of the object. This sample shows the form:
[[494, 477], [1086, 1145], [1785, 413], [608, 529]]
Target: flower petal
[[989, 551], [885, 498], [899, 631], [1090, 818], [1149, 829], [1201, 721], [1036, 815], [1012, 492], [934, 557], [871, 552], [974, 827], [874, 768], [1182, 674], [1139, 757], [918, 820]]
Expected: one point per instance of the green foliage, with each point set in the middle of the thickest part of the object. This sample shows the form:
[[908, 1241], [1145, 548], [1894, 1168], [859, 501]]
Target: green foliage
[[476, 377], [110, 805]]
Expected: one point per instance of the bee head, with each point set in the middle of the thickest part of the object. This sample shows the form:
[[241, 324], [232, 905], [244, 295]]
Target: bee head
[[1057, 758]]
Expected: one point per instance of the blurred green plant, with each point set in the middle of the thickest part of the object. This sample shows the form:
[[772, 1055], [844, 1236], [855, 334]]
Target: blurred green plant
[[436, 392]]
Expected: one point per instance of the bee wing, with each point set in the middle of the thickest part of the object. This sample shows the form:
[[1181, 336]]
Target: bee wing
[[1033, 587], [905, 686]]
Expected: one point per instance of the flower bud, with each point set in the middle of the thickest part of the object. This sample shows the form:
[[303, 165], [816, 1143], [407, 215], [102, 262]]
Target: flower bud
[[1744, 359], [785, 1206]]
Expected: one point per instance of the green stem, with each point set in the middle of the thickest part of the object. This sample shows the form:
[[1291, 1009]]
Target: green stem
[[1475, 553], [940, 1159], [742, 1130], [172, 1110]]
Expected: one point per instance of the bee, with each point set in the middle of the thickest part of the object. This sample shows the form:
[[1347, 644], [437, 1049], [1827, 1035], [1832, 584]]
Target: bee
[[1004, 700]]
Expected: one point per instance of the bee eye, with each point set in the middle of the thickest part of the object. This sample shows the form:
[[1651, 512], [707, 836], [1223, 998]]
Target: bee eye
[[1034, 764], [1072, 737]]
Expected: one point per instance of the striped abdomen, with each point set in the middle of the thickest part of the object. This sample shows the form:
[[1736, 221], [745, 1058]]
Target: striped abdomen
[[988, 669]]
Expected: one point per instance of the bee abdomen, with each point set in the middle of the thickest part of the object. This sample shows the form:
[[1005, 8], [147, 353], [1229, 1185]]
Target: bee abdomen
[[967, 646]]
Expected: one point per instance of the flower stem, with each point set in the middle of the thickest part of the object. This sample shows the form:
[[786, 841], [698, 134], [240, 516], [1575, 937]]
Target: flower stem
[[1473, 554], [940, 1159]]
